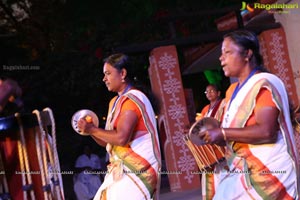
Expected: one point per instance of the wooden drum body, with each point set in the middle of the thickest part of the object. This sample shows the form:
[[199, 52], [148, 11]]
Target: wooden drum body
[[206, 155], [21, 170]]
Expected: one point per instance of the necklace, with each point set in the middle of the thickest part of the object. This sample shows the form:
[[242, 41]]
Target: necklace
[[236, 90], [128, 87], [238, 87]]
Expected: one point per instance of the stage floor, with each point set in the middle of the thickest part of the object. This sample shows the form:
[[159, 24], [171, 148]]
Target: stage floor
[[166, 194], [186, 195]]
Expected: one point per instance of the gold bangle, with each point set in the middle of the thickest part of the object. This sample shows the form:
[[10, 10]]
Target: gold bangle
[[224, 134]]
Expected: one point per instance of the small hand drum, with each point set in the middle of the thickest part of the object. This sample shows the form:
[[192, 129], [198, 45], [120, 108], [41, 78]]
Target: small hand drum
[[199, 127], [88, 114], [206, 155]]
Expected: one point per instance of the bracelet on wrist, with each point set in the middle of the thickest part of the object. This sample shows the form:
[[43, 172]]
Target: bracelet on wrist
[[224, 134]]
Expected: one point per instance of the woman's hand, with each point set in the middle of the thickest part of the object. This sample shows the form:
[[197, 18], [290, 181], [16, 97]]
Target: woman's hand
[[198, 116], [213, 136], [85, 126]]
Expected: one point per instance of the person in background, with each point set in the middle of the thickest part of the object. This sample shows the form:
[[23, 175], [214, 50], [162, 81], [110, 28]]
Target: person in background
[[209, 181], [9, 91], [87, 179], [130, 137], [215, 106], [256, 126]]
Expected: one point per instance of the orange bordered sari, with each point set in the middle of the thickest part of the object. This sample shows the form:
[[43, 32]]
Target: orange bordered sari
[[260, 171], [134, 169]]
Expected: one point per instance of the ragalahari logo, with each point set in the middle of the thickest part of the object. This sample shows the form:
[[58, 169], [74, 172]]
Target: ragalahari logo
[[271, 8], [247, 6]]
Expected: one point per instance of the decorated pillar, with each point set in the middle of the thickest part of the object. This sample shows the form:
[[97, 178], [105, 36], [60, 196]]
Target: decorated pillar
[[290, 22], [173, 120], [276, 59]]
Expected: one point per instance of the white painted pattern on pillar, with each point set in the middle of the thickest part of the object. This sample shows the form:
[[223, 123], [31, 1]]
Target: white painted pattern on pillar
[[176, 111]]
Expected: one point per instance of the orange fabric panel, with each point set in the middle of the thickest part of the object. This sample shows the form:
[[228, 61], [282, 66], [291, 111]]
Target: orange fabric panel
[[263, 99], [230, 91], [130, 105], [204, 110]]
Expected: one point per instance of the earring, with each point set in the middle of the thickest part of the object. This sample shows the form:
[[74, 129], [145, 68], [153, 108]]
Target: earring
[[247, 59], [123, 81]]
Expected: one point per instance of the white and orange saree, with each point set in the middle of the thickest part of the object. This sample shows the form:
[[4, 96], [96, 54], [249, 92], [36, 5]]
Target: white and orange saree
[[264, 171], [134, 169]]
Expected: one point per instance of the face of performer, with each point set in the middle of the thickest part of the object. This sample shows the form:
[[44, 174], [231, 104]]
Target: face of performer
[[232, 59], [211, 93], [113, 78]]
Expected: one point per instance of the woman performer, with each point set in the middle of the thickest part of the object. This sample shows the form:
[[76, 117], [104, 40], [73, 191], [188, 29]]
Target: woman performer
[[214, 109], [130, 137], [257, 128]]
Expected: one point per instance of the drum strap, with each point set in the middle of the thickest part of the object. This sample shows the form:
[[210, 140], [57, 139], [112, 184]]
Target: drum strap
[[50, 143], [42, 157], [23, 159], [56, 165]]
